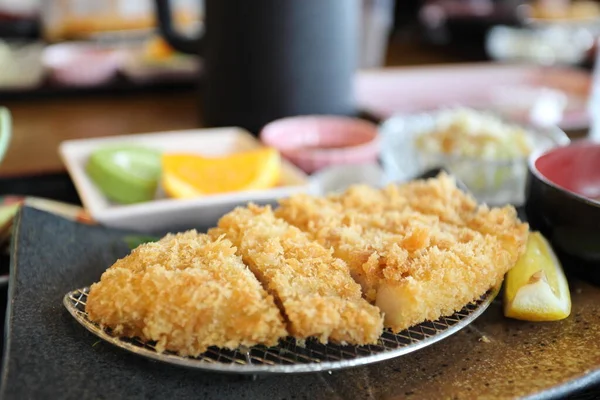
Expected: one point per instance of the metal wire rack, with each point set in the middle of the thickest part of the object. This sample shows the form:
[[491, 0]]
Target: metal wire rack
[[288, 356]]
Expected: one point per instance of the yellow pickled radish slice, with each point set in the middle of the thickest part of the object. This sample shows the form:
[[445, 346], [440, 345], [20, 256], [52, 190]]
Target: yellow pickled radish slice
[[536, 289], [188, 176]]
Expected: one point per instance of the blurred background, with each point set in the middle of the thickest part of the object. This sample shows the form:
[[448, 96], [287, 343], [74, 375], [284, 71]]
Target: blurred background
[[117, 40], [74, 69]]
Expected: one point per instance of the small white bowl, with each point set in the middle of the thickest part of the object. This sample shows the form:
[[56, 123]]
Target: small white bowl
[[21, 66], [165, 213], [495, 182]]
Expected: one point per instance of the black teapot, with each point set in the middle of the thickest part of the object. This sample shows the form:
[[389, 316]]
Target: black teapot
[[268, 59]]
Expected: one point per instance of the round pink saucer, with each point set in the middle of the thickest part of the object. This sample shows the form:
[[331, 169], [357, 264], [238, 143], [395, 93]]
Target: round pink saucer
[[315, 142], [81, 64]]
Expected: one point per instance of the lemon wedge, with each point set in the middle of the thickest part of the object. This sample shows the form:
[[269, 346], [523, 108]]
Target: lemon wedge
[[188, 175], [536, 289], [125, 174]]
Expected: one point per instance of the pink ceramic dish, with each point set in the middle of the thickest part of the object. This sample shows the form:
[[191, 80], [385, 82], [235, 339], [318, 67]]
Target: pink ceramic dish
[[316, 142], [81, 64]]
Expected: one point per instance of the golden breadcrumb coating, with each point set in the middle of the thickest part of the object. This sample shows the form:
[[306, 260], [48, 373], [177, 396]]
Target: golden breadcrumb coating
[[187, 292], [315, 289], [420, 250]]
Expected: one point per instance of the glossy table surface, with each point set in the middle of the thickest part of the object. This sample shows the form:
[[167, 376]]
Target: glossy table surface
[[40, 125]]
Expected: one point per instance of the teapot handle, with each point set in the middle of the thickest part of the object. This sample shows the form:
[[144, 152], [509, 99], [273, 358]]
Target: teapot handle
[[175, 39]]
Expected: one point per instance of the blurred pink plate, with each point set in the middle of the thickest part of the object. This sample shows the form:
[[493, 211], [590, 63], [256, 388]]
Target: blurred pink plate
[[388, 91], [81, 64]]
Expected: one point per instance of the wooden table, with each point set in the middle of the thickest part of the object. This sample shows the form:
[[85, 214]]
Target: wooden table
[[39, 126]]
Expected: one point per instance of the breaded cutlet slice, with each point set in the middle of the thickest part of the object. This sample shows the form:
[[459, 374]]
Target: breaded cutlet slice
[[186, 292], [315, 290], [436, 197], [419, 250]]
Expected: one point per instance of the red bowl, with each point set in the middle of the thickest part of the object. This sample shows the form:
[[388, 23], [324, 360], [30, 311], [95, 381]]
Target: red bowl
[[316, 142], [563, 202], [574, 168]]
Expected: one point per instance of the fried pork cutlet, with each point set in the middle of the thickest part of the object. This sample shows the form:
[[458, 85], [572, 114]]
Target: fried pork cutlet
[[315, 290], [187, 292], [420, 250]]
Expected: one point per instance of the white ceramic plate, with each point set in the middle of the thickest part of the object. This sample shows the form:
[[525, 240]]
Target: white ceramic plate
[[163, 212]]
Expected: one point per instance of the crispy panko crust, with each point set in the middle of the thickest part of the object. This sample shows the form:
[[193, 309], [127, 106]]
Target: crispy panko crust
[[315, 290], [187, 292], [420, 250]]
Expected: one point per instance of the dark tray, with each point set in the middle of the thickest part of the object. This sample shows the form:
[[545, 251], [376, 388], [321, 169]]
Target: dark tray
[[49, 355]]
